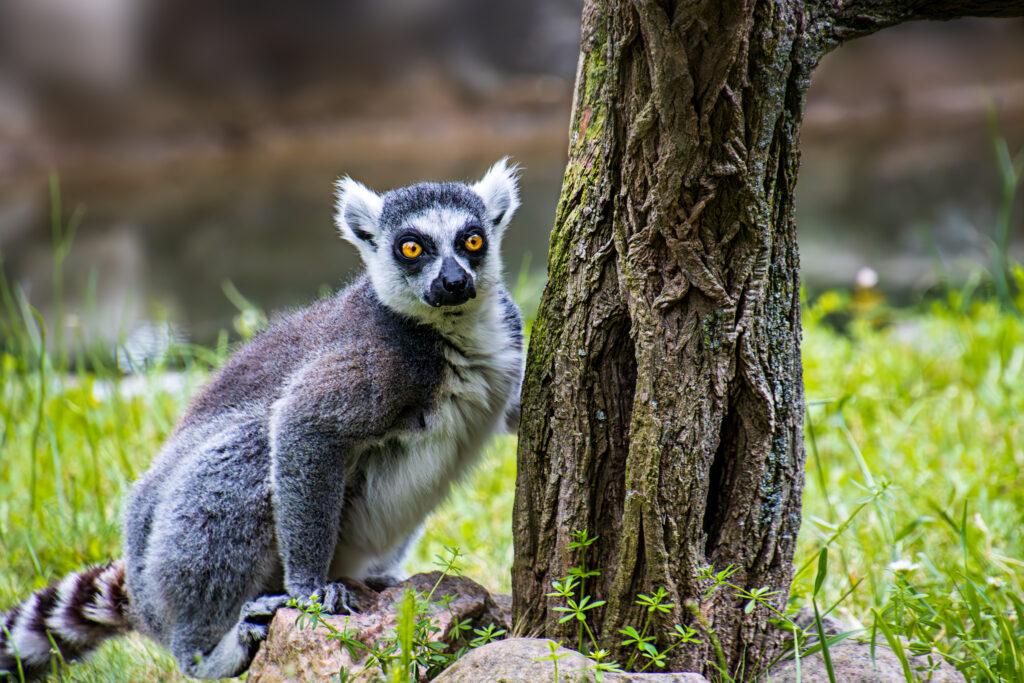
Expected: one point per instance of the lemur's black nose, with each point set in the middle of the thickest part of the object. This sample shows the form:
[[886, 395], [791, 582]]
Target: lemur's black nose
[[453, 278], [453, 285]]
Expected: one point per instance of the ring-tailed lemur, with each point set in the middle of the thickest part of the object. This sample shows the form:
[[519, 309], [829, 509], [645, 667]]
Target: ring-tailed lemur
[[318, 449]]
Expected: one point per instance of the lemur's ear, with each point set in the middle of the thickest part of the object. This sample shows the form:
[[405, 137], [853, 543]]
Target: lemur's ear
[[357, 212], [499, 188]]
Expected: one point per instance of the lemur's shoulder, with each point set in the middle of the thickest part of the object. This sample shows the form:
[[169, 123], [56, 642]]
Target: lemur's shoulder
[[353, 323]]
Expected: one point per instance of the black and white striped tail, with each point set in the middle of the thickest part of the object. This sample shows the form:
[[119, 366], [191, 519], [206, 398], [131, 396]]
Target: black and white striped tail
[[75, 615]]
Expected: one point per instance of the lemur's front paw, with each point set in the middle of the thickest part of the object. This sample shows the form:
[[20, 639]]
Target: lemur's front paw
[[333, 597]]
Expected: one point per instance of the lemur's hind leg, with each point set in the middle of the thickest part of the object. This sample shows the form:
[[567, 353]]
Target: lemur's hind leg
[[218, 626], [212, 553], [200, 658], [204, 656]]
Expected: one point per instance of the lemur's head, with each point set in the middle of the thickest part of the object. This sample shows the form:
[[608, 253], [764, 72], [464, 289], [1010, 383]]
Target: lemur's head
[[431, 248]]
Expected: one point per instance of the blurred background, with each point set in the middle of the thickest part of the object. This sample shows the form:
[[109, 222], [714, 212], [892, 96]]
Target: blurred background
[[195, 143]]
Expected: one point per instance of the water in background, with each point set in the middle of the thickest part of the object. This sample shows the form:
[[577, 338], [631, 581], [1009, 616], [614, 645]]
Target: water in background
[[898, 176]]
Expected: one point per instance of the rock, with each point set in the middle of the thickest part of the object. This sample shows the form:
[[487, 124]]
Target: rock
[[523, 659], [852, 663], [296, 652]]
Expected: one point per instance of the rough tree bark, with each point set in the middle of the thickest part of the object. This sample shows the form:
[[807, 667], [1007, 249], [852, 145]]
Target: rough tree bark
[[663, 401]]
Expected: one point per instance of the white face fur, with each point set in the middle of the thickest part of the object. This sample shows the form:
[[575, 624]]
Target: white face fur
[[432, 250]]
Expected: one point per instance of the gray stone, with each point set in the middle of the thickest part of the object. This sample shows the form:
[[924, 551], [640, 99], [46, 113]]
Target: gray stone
[[852, 663], [832, 626], [528, 659]]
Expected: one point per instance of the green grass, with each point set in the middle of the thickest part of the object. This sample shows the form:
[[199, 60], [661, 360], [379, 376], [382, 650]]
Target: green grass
[[915, 477]]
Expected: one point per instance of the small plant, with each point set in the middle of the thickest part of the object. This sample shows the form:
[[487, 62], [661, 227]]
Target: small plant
[[581, 540], [641, 644], [600, 666], [553, 656], [576, 607], [414, 650]]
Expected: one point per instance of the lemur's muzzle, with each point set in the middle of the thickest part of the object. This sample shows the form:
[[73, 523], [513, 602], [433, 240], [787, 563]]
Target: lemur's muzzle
[[452, 287]]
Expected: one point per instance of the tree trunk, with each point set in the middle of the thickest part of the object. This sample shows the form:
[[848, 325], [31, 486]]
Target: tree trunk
[[663, 400]]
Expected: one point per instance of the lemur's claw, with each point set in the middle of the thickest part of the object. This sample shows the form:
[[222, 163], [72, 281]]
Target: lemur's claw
[[334, 598]]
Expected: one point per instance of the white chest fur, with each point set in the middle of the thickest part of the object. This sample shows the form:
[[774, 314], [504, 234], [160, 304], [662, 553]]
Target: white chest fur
[[413, 473]]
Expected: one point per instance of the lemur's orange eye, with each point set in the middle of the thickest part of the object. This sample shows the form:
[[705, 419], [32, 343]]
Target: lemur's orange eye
[[474, 242], [411, 249]]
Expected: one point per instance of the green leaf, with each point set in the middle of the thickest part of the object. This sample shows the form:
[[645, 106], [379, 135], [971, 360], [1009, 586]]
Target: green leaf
[[896, 644], [822, 638], [819, 578], [630, 632]]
